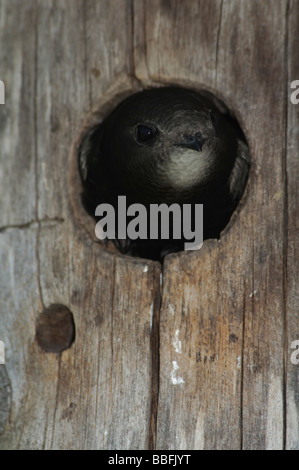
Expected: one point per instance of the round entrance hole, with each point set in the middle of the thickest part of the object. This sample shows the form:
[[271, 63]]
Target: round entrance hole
[[163, 171]]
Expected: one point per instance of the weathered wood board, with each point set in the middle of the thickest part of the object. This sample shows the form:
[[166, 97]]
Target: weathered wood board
[[194, 354]]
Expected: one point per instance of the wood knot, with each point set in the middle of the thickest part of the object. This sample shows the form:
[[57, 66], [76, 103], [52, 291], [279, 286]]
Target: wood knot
[[55, 329]]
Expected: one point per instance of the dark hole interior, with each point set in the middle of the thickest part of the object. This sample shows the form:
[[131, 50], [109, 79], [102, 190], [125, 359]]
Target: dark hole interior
[[147, 168]]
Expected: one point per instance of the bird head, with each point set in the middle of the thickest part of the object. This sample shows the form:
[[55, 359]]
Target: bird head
[[165, 145]]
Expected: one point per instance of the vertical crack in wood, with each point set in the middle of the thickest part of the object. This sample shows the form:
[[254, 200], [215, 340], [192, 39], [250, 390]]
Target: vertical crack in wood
[[242, 368], [132, 55], [132, 65], [45, 433], [217, 41], [285, 223], [157, 290], [87, 75], [38, 270], [112, 310], [56, 400], [145, 40], [155, 352], [36, 153]]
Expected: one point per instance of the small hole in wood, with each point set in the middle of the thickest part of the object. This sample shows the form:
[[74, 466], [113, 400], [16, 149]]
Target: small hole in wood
[[55, 329], [149, 165]]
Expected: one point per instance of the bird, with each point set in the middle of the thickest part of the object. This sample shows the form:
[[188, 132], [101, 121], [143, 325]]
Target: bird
[[166, 145]]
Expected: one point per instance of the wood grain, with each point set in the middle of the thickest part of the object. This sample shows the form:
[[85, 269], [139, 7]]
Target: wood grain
[[237, 282], [17, 117], [259, 39], [191, 355], [93, 394], [292, 236]]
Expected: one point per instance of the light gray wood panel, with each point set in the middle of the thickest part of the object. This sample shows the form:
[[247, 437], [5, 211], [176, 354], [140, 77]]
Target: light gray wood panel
[[92, 395], [17, 117], [237, 283]]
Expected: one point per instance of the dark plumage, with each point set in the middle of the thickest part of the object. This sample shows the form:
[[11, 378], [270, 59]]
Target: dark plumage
[[166, 145]]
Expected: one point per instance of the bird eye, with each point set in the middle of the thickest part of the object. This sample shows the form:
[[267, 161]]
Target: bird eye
[[144, 132]]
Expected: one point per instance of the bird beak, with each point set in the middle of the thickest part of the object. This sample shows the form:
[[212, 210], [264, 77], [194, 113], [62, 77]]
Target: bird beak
[[194, 142]]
